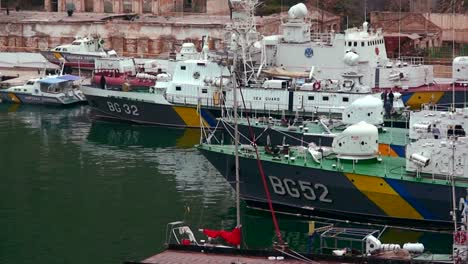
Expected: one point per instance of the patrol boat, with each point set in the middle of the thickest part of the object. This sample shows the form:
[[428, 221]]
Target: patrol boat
[[80, 54], [351, 180], [49, 90]]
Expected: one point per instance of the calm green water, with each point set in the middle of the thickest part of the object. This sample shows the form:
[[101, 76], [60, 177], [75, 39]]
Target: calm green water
[[73, 190]]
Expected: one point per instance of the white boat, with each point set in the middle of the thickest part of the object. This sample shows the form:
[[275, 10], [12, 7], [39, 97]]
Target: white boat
[[81, 53], [49, 90]]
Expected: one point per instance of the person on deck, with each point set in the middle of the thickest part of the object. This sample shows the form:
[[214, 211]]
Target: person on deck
[[384, 97], [435, 132], [103, 82], [391, 96]]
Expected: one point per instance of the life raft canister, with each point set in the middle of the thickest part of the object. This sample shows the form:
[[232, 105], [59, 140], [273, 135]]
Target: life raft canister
[[317, 86]]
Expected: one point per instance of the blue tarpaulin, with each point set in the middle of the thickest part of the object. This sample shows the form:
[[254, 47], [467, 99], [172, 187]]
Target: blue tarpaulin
[[69, 77], [52, 80], [59, 79]]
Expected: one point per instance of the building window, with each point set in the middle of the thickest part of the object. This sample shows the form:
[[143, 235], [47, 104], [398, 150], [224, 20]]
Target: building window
[[147, 8], [127, 6]]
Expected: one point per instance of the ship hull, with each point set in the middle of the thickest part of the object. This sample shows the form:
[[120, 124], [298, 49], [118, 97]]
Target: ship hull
[[8, 97], [440, 95], [186, 115], [316, 192], [72, 60], [149, 113]]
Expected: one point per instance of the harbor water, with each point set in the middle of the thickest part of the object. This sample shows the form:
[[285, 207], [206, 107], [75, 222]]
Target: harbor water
[[78, 190]]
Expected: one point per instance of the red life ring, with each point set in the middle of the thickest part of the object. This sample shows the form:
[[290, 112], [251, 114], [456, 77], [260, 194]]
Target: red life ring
[[460, 237], [316, 86]]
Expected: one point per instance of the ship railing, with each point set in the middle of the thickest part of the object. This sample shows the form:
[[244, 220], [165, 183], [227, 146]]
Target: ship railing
[[325, 38], [353, 238], [412, 60], [448, 107], [178, 233], [253, 105]]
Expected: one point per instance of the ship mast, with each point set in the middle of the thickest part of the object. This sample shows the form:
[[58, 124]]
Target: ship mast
[[243, 35], [242, 29]]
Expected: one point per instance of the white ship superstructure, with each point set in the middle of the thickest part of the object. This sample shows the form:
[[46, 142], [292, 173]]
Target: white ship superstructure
[[332, 54]]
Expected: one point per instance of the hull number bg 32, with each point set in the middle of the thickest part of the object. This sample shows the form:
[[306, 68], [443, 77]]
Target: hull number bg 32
[[296, 189], [125, 108]]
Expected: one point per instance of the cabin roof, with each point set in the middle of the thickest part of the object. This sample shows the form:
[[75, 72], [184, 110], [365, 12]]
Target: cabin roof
[[59, 79]]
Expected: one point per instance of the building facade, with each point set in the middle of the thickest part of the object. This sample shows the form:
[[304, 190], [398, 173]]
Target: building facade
[[156, 7]]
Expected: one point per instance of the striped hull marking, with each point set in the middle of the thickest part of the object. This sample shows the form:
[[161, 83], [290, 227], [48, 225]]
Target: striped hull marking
[[150, 113], [347, 193], [13, 98], [192, 117], [384, 196], [415, 99], [461, 98], [391, 150], [430, 200]]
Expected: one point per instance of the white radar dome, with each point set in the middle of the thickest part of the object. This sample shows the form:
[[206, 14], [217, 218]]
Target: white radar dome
[[368, 108], [351, 58], [298, 11], [358, 141]]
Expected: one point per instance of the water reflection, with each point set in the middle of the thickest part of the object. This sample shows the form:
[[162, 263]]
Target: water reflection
[[71, 183], [107, 189]]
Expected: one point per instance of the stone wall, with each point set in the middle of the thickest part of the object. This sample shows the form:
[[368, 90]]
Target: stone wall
[[158, 7], [127, 38]]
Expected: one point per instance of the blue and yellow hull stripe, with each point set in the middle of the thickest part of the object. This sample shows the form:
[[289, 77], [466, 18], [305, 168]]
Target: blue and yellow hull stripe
[[191, 116], [390, 198], [415, 99]]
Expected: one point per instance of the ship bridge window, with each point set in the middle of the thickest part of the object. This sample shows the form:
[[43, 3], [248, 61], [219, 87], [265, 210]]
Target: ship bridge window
[[76, 43], [362, 44], [349, 43], [201, 64], [355, 43], [311, 98], [178, 88], [183, 68], [325, 98], [58, 49], [204, 90], [345, 99], [64, 49], [30, 82]]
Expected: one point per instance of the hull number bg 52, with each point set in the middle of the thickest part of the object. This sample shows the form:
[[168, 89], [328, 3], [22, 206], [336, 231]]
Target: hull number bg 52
[[296, 189]]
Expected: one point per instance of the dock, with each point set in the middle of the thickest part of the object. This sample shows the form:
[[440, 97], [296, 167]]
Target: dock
[[181, 257], [14, 77]]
